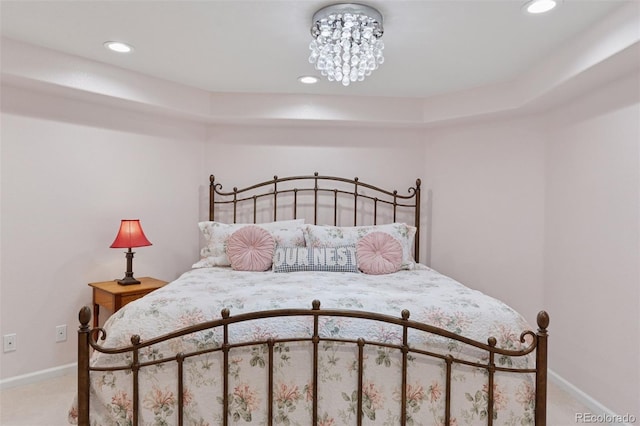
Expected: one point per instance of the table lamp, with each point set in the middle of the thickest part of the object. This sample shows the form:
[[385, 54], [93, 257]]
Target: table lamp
[[130, 235]]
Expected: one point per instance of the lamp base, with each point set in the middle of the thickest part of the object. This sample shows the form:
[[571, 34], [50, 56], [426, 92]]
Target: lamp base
[[128, 281], [128, 275]]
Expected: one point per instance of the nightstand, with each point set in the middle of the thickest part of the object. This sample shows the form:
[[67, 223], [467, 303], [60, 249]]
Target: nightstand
[[114, 296]]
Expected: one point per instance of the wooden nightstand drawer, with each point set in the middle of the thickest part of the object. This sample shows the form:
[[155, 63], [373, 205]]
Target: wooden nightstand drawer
[[114, 296], [130, 298], [103, 298]]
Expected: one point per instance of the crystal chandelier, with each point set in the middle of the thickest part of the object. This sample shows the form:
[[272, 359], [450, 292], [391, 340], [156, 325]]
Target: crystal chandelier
[[346, 44]]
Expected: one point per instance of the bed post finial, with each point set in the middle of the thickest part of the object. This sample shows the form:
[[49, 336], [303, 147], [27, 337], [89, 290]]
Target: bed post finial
[[315, 305], [84, 316], [212, 178], [543, 321]]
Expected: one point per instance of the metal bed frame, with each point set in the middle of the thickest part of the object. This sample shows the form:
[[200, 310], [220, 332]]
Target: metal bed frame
[[364, 196]]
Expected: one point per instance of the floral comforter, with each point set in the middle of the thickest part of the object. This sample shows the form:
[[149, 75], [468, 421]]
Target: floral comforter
[[200, 295]]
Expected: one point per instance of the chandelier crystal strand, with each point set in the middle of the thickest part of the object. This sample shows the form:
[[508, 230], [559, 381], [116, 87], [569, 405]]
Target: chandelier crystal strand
[[346, 46]]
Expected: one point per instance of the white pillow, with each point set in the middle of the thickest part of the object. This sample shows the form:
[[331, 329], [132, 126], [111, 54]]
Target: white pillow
[[335, 236], [216, 235]]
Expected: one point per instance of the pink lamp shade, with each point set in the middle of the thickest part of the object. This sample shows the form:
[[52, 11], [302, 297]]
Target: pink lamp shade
[[130, 235]]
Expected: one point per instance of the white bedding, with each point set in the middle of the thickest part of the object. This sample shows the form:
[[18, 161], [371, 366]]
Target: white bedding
[[200, 295]]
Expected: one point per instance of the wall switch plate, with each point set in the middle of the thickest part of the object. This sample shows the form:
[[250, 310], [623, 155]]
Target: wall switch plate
[[61, 333], [10, 343]]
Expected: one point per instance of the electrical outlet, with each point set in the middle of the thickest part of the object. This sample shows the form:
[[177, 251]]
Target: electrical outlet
[[10, 342], [61, 333]]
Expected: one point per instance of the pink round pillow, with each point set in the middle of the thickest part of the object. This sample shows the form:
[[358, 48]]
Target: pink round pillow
[[379, 253], [250, 248]]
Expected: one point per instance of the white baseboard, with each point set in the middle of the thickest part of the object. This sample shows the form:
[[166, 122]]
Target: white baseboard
[[37, 376], [596, 408]]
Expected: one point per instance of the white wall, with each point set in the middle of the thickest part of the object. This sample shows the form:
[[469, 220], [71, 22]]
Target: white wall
[[544, 213], [592, 244], [487, 200], [70, 172], [390, 158], [383, 156]]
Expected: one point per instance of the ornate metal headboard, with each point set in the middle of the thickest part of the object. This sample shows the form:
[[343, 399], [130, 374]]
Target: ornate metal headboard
[[319, 199]]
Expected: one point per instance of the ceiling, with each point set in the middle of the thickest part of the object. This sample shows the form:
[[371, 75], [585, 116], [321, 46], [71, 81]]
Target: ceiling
[[431, 47]]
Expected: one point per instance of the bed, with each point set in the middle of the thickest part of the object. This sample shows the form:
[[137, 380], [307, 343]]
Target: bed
[[308, 307]]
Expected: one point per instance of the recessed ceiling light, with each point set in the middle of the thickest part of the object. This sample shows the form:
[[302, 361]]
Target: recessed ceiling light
[[540, 6], [308, 79], [118, 46]]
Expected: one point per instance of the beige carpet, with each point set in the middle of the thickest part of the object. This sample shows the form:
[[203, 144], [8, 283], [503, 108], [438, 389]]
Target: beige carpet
[[45, 404]]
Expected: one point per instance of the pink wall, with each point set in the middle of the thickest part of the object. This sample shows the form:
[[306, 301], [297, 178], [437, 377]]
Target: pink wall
[[70, 172], [592, 243], [543, 212], [487, 185]]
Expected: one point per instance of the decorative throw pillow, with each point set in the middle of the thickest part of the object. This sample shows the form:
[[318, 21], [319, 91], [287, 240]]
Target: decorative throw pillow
[[250, 248], [216, 236], [379, 253], [330, 259], [333, 236]]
